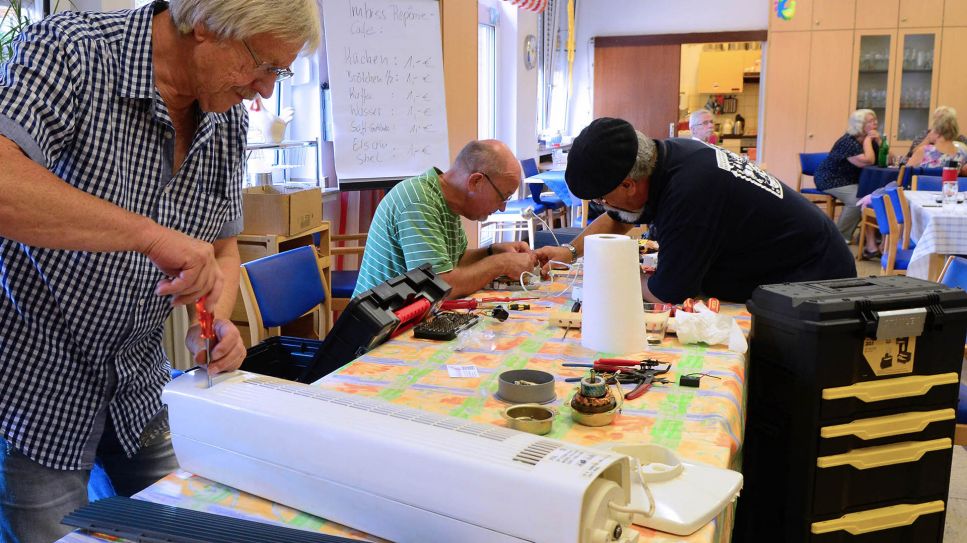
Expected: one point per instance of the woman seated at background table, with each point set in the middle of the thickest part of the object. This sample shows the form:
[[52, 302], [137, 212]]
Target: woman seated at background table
[[941, 143], [839, 174]]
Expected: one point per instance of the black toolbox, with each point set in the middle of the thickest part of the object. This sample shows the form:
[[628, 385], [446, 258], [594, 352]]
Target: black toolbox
[[852, 390], [382, 312]]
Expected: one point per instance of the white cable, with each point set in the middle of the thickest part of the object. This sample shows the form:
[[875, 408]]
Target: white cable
[[651, 498], [529, 214]]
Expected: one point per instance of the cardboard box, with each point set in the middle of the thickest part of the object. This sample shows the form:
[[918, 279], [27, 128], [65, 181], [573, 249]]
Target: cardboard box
[[276, 209]]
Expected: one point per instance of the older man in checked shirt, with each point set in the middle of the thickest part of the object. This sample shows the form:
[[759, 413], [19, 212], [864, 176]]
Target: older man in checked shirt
[[121, 158]]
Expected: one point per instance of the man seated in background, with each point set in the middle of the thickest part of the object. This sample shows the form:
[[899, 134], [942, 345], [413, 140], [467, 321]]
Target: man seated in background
[[419, 221], [702, 126], [724, 226]]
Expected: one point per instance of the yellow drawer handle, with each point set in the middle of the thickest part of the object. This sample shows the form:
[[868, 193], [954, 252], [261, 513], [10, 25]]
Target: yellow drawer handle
[[884, 455], [892, 425], [875, 520], [888, 389]]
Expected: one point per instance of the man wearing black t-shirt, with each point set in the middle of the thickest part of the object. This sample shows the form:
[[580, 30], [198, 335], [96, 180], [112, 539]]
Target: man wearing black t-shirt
[[723, 225]]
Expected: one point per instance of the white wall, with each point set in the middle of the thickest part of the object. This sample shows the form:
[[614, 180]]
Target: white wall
[[644, 17]]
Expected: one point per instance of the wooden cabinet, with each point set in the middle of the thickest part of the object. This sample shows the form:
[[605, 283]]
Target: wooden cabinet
[[915, 85], [952, 81], [921, 13], [955, 13], [833, 14], [828, 102], [905, 61], [785, 110], [872, 72], [720, 72], [877, 13]]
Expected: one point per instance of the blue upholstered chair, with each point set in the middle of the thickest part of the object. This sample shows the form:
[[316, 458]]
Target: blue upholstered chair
[[553, 204], [907, 173], [280, 288], [894, 260], [935, 183], [954, 274], [808, 163], [901, 209]]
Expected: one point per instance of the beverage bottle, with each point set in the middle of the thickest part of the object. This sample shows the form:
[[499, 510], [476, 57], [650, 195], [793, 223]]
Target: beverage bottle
[[949, 179], [884, 154]]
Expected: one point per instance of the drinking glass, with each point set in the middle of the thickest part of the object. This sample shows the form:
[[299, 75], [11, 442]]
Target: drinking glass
[[656, 321]]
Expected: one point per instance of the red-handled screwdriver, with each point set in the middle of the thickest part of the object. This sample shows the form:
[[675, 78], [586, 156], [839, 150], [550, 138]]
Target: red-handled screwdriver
[[207, 322]]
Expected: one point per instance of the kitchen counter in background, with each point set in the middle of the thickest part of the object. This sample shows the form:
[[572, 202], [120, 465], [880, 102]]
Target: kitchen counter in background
[[737, 143]]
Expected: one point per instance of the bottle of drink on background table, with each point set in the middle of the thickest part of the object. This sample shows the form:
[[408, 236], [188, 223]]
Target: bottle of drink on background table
[[884, 154], [949, 179]]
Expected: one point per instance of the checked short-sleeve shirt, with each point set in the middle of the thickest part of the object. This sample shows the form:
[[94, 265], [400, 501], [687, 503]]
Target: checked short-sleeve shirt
[[78, 97]]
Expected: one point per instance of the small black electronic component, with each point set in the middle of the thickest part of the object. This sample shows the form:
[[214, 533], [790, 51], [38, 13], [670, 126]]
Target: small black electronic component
[[444, 326], [693, 379], [690, 380]]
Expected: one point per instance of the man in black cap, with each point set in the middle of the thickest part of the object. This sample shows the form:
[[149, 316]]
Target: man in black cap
[[723, 225]]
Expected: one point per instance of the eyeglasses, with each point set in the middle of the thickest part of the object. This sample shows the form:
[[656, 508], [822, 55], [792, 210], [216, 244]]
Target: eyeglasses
[[280, 73], [499, 194]]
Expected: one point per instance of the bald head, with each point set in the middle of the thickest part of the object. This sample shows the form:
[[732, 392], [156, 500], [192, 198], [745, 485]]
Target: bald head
[[483, 177], [488, 156]]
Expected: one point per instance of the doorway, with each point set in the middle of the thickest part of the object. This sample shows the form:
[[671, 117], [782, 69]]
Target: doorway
[[638, 78]]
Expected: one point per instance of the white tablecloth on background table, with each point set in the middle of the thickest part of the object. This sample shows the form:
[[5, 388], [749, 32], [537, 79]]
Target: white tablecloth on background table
[[937, 230]]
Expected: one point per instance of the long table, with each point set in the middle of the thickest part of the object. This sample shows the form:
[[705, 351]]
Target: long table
[[702, 425], [939, 230]]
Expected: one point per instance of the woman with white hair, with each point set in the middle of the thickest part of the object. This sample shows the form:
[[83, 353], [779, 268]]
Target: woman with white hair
[[839, 174], [940, 144]]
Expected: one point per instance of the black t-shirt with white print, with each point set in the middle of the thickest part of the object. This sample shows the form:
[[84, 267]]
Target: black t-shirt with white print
[[725, 227]]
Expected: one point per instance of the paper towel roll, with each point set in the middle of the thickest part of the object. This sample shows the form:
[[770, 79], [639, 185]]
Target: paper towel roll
[[613, 318]]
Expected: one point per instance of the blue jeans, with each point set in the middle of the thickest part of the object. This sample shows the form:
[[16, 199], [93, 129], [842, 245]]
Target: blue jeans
[[34, 498]]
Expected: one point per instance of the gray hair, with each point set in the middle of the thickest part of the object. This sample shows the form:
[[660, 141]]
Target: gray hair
[[945, 122], [487, 156], [645, 160], [295, 21], [695, 118], [856, 121]]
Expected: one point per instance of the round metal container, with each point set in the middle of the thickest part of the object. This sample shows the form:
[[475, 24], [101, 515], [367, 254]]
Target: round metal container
[[526, 386], [531, 418]]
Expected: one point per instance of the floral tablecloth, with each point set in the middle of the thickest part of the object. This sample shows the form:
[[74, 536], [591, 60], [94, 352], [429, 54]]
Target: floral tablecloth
[[702, 424]]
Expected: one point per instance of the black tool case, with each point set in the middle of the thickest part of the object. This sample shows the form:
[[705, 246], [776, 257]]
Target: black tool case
[[370, 319], [852, 391]]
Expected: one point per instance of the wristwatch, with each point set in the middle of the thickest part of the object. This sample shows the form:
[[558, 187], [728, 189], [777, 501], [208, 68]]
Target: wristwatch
[[574, 252]]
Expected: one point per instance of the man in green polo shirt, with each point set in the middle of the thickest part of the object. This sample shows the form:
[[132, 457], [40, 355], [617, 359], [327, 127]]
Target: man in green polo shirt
[[419, 221]]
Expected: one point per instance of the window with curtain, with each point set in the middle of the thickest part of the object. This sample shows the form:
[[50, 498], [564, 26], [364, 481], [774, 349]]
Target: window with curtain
[[487, 72], [553, 69]]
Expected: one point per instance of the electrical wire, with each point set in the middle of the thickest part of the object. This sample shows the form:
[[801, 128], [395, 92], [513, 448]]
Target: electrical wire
[[529, 214], [651, 498], [570, 267]]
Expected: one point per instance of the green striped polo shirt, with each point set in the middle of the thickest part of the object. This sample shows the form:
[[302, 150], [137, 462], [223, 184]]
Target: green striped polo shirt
[[413, 225]]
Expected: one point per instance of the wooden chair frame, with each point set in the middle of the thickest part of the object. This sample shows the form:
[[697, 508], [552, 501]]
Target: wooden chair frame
[[339, 304], [890, 240], [321, 313]]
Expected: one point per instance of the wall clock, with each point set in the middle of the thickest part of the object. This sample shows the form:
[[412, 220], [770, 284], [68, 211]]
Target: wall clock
[[530, 51]]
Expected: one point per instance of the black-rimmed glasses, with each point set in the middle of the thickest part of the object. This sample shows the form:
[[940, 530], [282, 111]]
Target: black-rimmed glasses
[[492, 184], [280, 73]]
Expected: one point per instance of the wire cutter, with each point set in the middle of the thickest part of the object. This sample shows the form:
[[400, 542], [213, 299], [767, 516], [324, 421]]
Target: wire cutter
[[643, 378], [207, 322]]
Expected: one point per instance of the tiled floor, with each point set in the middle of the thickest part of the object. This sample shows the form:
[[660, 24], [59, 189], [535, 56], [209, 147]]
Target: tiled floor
[[956, 527]]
